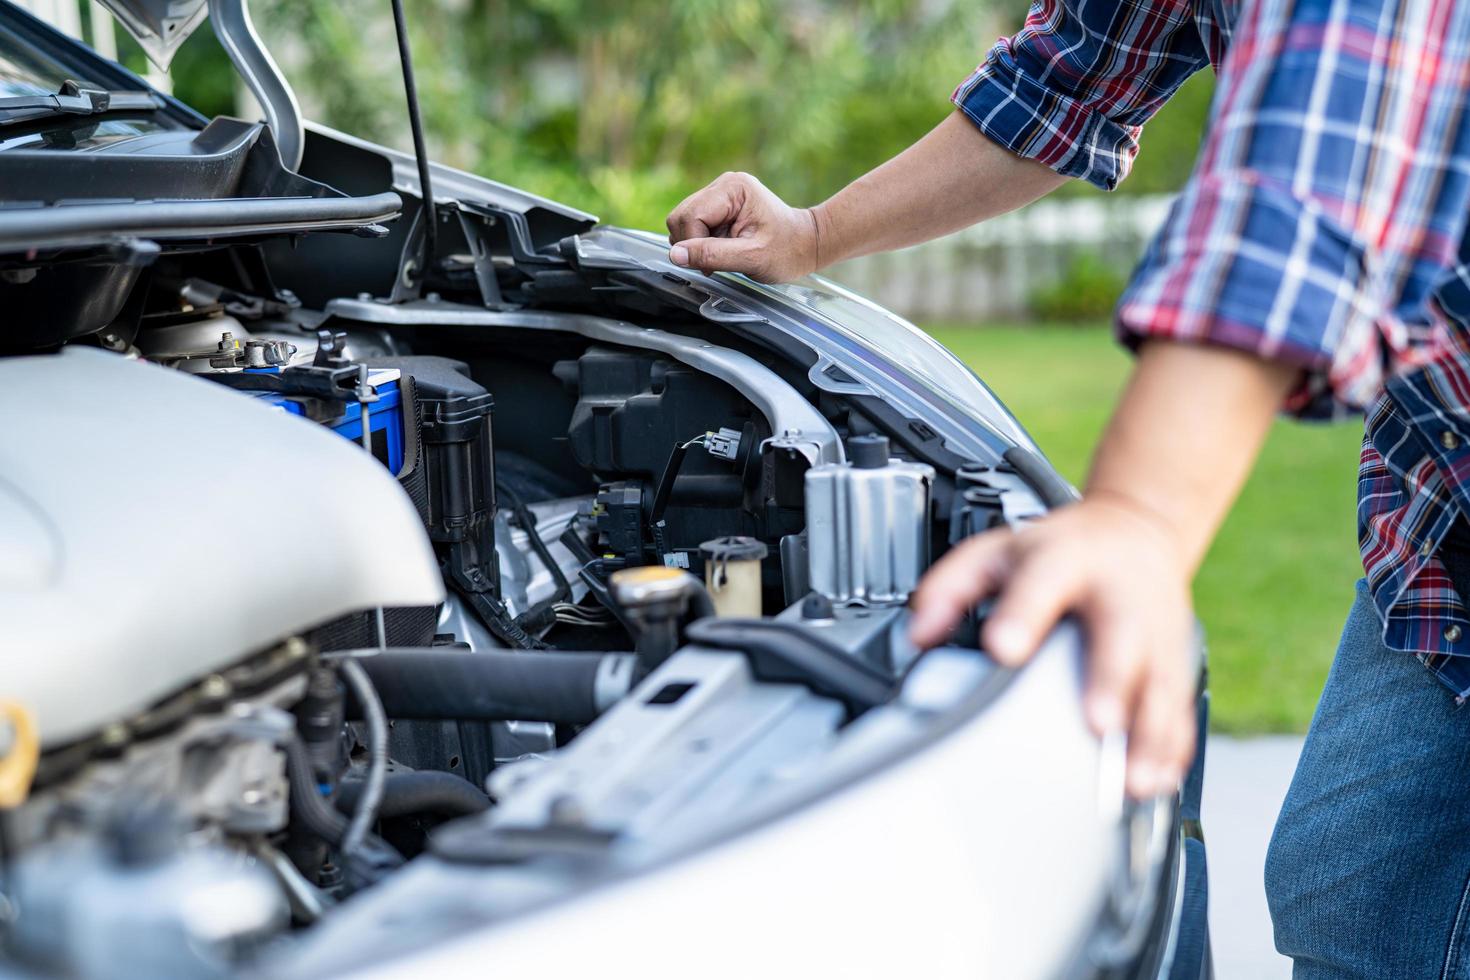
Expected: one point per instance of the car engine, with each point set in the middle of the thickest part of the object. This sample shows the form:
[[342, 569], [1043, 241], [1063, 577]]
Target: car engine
[[323, 578]]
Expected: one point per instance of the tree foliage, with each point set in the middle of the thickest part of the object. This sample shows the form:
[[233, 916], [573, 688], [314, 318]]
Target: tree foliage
[[625, 107]]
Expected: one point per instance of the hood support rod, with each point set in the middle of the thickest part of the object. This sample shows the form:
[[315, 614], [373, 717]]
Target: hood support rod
[[420, 151]]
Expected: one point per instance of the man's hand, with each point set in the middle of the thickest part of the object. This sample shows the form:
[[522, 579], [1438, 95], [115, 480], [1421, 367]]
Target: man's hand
[[1172, 459], [950, 179], [737, 225], [1119, 570]]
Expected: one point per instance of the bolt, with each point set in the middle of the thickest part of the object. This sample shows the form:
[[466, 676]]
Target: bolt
[[279, 351], [214, 687]]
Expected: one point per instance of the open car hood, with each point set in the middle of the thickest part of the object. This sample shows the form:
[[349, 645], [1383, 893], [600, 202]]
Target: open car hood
[[159, 26]]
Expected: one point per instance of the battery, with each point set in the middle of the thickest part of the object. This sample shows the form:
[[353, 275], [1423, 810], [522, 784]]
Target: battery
[[384, 414]]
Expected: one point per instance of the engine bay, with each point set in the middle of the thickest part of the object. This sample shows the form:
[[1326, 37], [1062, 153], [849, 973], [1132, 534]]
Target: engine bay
[[456, 589]]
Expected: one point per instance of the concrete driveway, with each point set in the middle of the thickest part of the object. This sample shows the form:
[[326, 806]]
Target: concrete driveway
[[1245, 782]]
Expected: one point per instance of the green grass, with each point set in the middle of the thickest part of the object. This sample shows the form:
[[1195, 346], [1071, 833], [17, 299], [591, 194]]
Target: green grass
[[1274, 590]]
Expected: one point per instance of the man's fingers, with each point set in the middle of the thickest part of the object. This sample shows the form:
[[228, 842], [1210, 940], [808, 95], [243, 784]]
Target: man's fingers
[[1161, 742], [717, 254], [682, 227], [712, 207], [1114, 669], [1038, 593], [967, 574]]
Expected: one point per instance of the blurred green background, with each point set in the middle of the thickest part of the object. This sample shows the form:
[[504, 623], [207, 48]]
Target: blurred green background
[[624, 108], [1276, 585]]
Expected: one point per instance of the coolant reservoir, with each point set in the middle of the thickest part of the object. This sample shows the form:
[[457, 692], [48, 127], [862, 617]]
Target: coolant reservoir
[[867, 525], [732, 574]]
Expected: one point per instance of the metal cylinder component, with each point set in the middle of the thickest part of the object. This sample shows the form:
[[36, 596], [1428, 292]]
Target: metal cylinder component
[[868, 525], [732, 574]]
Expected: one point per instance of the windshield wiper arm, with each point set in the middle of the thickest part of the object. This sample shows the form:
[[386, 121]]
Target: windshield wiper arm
[[74, 99]]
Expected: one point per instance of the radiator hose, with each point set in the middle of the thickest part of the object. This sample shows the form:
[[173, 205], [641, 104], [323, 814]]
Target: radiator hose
[[441, 794], [370, 859], [442, 684]]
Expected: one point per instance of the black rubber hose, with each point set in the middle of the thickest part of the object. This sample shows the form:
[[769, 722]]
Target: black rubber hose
[[566, 688], [528, 523], [701, 605], [310, 809], [442, 794], [1039, 475]]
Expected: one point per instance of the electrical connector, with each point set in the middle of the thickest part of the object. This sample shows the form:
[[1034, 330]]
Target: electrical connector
[[724, 443]]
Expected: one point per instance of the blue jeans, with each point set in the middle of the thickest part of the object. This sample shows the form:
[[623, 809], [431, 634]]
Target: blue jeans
[[1368, 869]]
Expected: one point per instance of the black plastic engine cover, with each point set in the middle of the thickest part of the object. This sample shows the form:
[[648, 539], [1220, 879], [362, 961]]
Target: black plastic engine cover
[[633, 408], [453, 413]]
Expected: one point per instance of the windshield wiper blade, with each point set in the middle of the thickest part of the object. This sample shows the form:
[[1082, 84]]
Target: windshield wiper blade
[[74, 99]]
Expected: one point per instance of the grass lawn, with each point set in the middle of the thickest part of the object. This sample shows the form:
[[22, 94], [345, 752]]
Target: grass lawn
[[1274, 590]]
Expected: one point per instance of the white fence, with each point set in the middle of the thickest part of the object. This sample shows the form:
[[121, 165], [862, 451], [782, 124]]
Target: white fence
[[991, 271], [68, 15]]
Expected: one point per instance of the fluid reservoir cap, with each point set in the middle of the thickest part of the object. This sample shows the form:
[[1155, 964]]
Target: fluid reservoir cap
[[649, 583], [733, 548], [868, 452]]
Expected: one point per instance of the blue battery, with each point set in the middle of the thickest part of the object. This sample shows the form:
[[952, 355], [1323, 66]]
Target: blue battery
[[385, 417]]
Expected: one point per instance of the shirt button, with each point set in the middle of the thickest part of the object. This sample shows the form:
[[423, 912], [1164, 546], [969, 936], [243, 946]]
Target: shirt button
[[1449, 440], [1426, 549], [1452, 634]]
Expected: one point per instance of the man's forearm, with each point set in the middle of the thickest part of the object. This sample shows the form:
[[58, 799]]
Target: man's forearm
[[1173, 458], [950, 179], [1184, 437]]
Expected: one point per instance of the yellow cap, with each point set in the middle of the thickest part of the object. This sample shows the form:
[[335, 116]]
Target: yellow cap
[[644, 583], [18, 766]]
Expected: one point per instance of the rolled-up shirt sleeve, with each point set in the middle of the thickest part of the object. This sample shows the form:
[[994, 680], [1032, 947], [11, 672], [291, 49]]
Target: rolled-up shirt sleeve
[[1328, 200], [1074, 86]]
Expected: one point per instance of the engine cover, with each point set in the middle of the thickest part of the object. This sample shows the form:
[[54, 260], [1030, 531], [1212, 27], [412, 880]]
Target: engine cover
[[155, 527]]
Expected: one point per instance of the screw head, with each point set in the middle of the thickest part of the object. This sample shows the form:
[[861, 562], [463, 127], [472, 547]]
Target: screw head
[[214, 687]]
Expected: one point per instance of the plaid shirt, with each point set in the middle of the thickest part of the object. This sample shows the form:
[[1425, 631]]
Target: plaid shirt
[[1324, 226]]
